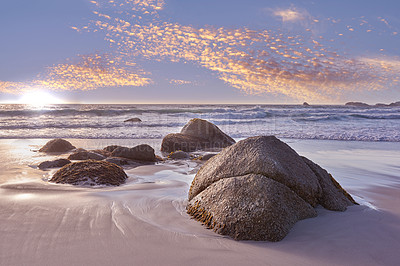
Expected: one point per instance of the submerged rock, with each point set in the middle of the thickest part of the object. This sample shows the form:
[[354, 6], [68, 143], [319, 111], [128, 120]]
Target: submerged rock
[[57, 145], [135, 119], [274, 188], [53, 164], [196, 135], [86, 155], [90, 173], [179, 155], [141, 152]]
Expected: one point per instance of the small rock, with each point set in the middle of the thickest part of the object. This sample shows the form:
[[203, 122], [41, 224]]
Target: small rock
[[135, 119], [117, 161], [141, 153], [53, 164], [86, 155], [197, 134], [179, 155], [208, 156], [90, 173], [102, 152], [111, 148], [57, 145], [306, 104]]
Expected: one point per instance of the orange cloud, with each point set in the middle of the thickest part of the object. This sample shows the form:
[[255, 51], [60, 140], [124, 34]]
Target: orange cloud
[[252, 61], [89, 72]]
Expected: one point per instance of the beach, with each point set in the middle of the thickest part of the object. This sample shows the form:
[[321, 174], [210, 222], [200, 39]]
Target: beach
[[144, 221], [159, 132]]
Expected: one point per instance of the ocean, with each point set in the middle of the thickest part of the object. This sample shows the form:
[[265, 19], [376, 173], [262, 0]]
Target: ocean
[[105, 121]]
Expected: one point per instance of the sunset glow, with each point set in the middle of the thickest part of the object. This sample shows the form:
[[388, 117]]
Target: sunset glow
[[39, 98], [305, 58]]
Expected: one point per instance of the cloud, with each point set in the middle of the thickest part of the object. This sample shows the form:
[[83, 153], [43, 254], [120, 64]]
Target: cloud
[[295, 18], [254, 61], [87, 72], [291, 14], [180, 82]]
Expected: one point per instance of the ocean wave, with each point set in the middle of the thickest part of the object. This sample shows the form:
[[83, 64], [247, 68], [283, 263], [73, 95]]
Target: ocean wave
[[87, 126], [376, 116], [123, 111], [239, 121]]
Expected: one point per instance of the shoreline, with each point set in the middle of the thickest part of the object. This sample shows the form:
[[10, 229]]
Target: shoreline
[[144, 221]]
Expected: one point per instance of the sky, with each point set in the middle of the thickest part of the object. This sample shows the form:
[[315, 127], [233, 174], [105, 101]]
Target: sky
[[209, 51]]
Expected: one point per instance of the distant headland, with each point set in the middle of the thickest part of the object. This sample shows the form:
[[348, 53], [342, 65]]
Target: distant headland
[[361, 104]]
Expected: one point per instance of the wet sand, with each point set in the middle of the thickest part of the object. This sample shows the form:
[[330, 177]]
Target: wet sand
[[144, 222]]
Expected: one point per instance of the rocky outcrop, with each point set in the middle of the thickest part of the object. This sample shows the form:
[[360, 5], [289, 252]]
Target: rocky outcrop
[[86, 155], [57, 145], [198, 134], [179, 155], [258, 188], [357, 104], [134, 120], [53, 164], [360, 104], [90, 173], [306, 104], [141, 152]]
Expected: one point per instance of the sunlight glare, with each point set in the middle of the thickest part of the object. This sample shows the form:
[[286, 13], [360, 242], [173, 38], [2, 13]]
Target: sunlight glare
[[39, 98]]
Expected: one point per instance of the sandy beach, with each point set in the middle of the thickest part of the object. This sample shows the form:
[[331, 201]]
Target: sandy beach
[[144, 221], [112, 113]]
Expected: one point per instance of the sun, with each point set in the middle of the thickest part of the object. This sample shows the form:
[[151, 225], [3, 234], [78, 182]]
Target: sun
[[39, 98]]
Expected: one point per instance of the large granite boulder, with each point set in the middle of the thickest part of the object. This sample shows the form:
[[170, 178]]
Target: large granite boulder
[[250, 207], [90, 173], [57, 145], [141, 152], [259, 188], [196, 135], [86, 155], [53, 164]]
